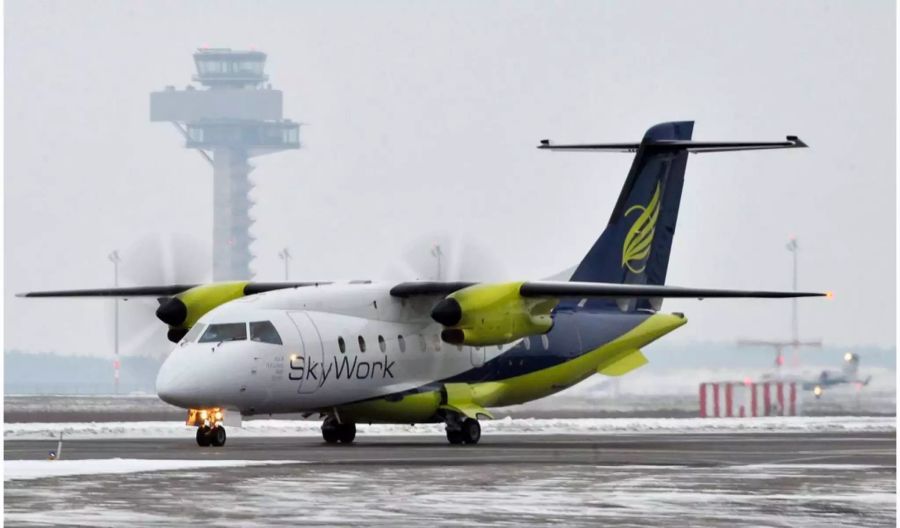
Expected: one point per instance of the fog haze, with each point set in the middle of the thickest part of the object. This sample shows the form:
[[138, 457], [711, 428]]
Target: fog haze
[[420, 124]]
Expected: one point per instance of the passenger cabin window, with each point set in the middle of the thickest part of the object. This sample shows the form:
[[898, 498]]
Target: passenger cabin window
[[224, 332], [264, 332], [545, 341], [402, 343], [362, 344], [191, 336], [342, 345], [381, 344]]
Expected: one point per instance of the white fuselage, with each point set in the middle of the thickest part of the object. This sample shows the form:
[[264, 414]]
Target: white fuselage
[[340, 343]]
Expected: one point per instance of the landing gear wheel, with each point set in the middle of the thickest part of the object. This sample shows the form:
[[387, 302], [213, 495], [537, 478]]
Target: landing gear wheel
[[203, 436], [471, 431], [331, 431], [217, 436], [454, 436], [346, 433]]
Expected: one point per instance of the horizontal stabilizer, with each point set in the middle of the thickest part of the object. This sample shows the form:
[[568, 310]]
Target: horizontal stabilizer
[[690, 146]]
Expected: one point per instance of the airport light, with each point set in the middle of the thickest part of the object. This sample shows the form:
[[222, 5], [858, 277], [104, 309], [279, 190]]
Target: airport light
[[286, 256], [437, 253], [114, 258]]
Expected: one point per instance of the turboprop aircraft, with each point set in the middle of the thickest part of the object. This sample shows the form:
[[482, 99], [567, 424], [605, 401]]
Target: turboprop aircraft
[[422, 351], [849, 374]]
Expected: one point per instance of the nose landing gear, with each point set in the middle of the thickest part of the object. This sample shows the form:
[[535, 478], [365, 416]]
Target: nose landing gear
[[334, 432], [211, 436], [210, 431]]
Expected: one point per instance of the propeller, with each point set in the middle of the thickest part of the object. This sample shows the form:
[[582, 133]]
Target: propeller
[[160, 258], [444, 257]]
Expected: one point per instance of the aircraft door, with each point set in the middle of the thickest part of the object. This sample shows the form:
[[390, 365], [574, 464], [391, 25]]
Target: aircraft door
[[306, 362]]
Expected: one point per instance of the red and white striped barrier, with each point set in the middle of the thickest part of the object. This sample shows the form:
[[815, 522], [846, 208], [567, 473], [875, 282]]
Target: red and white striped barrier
[[740, 400]]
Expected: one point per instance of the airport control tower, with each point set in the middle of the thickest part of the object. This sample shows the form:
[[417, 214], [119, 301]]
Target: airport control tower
[[235, 116]]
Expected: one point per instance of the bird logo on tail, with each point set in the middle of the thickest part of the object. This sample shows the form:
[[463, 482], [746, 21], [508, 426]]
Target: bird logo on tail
[[639, 238]]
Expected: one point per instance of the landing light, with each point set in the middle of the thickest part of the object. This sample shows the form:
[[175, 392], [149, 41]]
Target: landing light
[[293, 357], [848, 356], [817, 391]]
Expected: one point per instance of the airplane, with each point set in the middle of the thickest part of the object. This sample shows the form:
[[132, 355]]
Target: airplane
[[849, 374], [413, 352]]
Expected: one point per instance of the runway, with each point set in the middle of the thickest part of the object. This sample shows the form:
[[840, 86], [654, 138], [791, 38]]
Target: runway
[[703, 479], [709, 449]]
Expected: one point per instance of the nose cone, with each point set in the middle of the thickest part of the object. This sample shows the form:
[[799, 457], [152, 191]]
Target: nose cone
[[173, 385], [447, 312]]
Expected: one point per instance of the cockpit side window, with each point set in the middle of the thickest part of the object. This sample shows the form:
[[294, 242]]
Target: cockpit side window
[[195, 331], [224, 332], [264, 332]]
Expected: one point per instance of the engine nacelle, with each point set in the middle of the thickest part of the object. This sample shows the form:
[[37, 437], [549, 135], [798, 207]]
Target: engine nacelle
[[182, 311], [492, 314]]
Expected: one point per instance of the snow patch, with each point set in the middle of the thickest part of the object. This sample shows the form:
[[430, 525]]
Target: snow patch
[[34, 469]]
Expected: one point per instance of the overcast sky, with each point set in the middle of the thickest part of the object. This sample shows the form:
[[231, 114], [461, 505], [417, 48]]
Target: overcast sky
[[422, 120]]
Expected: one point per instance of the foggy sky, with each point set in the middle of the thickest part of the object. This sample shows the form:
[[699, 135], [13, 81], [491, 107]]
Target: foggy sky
[[420, 125]]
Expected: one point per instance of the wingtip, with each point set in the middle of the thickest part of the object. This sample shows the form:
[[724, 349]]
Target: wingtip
[[798, 143]]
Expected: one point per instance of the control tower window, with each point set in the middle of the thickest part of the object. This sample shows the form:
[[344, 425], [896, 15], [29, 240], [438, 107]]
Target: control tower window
[[254, 67], [224, 332], [264, 332]]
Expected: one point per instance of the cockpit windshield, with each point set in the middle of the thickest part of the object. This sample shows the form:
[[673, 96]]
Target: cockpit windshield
[[224, 332], [264, 332], [191, 336]]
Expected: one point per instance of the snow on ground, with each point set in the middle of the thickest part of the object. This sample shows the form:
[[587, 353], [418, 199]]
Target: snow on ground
[[258, 428], [34, 469]]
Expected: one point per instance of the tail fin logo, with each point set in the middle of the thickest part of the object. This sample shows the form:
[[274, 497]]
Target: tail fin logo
[[639, 238]]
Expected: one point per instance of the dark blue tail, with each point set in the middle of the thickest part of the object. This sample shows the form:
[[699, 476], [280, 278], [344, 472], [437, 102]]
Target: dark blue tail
[[636, 244]]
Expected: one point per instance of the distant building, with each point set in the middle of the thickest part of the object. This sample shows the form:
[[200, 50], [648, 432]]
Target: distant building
[[235, 117]]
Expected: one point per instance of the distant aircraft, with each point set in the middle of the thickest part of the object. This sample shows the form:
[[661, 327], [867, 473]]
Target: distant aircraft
[[415, 352], [849, 373]]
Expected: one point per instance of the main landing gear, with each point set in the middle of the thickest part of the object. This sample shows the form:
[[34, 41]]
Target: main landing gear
[[334, 432], [211, 436], [467, 431]]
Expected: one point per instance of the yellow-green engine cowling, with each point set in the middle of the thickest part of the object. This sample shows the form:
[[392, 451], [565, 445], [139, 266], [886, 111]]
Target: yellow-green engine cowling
[[492, 314], [182, 311]]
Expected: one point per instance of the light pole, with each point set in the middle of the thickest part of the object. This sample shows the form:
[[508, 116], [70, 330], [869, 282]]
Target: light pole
[[285, 255], [795, 325], [437, 253], [114, 258]]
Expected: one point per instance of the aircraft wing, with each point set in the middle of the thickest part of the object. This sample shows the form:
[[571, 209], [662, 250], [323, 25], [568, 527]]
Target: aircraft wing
[[162, 291], [575, 290]]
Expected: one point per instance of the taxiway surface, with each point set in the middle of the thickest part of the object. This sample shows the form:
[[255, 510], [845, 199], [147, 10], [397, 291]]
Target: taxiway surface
[[715, 479]]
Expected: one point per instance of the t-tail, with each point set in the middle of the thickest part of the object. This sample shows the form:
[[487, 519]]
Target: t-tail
[[636, 244]]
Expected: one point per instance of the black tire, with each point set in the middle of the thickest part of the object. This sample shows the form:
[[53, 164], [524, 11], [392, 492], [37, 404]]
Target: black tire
[[217, 436], [330, 432], [203, 436], [346, 433], [471, 431], [454, 436]]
